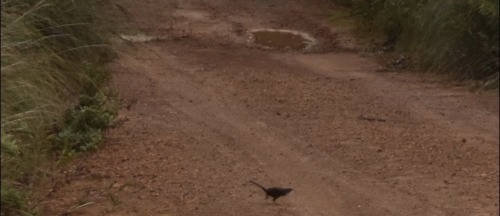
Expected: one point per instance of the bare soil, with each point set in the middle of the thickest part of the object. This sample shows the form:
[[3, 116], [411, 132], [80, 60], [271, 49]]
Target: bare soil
[[205, 111]]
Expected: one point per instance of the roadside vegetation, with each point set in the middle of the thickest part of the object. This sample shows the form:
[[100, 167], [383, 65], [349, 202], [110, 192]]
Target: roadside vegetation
[[53, 55], [460, 38]]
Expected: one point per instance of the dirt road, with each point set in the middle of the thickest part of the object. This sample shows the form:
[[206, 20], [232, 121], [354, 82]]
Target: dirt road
[[205, 111]]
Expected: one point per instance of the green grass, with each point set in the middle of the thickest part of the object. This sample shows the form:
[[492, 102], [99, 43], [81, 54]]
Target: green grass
[[460, 38], [53, 53]]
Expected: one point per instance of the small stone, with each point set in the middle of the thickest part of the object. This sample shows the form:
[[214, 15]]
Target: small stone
[[118, 185]]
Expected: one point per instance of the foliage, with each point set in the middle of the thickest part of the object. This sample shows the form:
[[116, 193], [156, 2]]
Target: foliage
[[460, 37], [83, 126], [52, 51], [12, 201]]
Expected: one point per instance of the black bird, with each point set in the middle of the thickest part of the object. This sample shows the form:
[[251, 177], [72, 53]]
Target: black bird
[[274, 192]]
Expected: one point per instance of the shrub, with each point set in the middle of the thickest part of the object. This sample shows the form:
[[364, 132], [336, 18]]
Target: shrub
[[459, 37], [52, 51], [83, 126]]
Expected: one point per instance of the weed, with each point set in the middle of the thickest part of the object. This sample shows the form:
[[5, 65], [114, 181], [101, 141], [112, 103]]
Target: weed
[[83, 126], [12, 200], [52, 51], [457, 37]]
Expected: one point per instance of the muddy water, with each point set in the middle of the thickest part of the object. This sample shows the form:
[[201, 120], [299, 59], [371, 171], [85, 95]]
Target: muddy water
[[281, 39]]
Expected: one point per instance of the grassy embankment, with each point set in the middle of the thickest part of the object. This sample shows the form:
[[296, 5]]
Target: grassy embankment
[[54, 54], [459, 38]]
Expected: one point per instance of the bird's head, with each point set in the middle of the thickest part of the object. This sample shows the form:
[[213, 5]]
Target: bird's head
[[288, 190]]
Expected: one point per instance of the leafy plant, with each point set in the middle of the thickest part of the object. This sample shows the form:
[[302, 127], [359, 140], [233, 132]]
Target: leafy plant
[[458, 37], [83, 126], [12, 201], [52, 51]]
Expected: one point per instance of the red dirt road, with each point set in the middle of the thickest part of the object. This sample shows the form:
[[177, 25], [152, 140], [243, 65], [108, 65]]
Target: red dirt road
[[206, 111]]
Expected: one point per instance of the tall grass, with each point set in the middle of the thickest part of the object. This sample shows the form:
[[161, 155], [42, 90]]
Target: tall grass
[[51, 52], [460, 37]]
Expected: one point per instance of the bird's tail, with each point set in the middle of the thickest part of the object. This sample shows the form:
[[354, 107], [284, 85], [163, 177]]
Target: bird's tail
[[262, 187]]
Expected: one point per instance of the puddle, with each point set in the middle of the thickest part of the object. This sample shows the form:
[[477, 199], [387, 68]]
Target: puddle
[[138, 38], [282, 39]]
